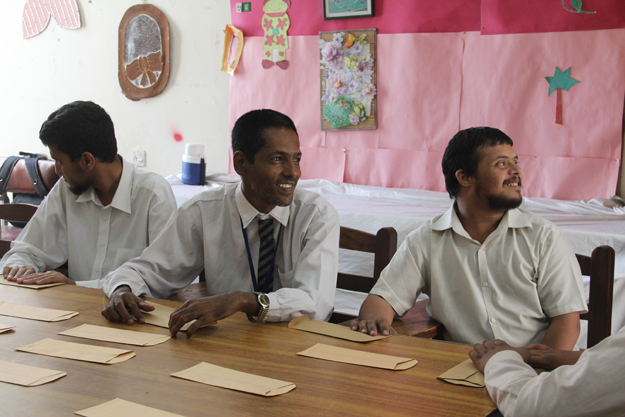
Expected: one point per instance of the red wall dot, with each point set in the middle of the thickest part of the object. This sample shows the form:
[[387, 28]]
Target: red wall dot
[[178, 137]]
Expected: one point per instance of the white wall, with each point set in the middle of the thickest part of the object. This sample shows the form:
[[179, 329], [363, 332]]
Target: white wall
[[58, 66]]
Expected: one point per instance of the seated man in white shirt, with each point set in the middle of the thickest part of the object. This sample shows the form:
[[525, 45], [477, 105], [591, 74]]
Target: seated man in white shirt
[[103, 213], [491, 270], [219, 231], [591, 384]]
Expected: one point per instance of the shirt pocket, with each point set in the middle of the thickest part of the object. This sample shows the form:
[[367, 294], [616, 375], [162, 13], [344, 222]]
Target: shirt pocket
[[285, 279]]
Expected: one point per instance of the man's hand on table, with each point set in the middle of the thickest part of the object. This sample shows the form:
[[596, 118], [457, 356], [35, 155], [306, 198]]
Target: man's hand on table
[[28, 276], [373, 326], [542, 356], [482, 352], [208, 310], [125, 307]]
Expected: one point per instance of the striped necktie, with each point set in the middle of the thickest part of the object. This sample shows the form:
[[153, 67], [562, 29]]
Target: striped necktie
[[265, 253]]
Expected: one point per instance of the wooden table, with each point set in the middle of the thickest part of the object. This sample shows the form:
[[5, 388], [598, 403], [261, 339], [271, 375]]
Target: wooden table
[[323, 388]]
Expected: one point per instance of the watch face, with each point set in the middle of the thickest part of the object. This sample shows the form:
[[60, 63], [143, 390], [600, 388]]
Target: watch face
[[263, 300]]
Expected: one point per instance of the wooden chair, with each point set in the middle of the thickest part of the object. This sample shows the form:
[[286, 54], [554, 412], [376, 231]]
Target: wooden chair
[[13, 212], [600, 268], [383, 245]]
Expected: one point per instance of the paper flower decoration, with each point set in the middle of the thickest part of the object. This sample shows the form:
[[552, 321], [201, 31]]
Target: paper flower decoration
[[560, 81], [348, 88]]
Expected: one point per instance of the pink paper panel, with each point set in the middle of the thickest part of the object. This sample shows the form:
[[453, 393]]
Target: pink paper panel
[[527, 16], [395, 168], [390, 17], [504, 86], [326, 163], [569, 178], [294, 92], [37, 15]]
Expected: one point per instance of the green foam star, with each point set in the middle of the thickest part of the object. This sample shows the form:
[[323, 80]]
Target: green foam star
[[561, 80]]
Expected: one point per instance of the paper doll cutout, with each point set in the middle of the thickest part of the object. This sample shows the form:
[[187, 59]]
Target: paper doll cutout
[[275, 23]]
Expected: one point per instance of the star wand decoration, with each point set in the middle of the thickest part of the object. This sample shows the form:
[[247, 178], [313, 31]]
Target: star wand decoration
[[560, 81]]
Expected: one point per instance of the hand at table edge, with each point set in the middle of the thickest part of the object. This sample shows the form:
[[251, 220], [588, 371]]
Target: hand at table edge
[[122, 304]]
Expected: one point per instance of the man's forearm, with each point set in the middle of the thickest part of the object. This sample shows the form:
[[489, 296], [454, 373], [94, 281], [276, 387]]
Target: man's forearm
[[563, 332]]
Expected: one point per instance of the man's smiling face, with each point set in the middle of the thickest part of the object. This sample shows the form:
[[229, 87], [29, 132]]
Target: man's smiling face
[[271, 179], [499, 178]]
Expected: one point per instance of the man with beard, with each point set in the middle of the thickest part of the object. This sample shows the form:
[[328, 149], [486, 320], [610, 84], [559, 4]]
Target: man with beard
[[491, 269], [103, 213], [267, 249]]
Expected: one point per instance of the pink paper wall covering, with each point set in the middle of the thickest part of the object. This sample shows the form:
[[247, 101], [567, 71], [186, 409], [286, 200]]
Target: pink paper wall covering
[[436, 16], [432, 85]]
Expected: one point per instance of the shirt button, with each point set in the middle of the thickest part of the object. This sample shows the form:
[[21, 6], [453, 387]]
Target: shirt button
[[105, 218], [493, 320], [97, 270], [102, 244]]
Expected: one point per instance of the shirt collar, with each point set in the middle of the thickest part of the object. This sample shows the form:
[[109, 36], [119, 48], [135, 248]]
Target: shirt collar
[[248, 212], [514, 219], [122, 199]]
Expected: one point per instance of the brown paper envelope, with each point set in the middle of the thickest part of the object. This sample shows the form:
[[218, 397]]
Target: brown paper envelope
[[35, 313], [465, 374], [332, 330], [160, 316], [108, 334], [77, 351], [123, 408], [357, 357], [28, 376], [4, 281], [5, 328], [217, 376]]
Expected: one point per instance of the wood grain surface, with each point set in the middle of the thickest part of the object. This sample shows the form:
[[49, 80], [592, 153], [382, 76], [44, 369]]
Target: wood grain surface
[[323, 388]]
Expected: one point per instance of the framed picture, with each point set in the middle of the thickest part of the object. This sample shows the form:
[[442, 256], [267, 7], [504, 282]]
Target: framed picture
[[348, 80], [346, 9], [143, 60]]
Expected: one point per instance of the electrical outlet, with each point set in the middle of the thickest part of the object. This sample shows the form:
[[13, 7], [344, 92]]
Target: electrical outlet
[[138, 158]]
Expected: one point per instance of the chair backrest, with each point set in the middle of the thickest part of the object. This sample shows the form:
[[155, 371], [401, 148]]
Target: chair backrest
[[20, 181], [14, 212], [600, 268], [383, 245]]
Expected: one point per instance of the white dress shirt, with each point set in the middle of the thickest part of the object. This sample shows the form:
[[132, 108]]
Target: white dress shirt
[[506, 288], [594, 386], [94, 239], [207, 234]]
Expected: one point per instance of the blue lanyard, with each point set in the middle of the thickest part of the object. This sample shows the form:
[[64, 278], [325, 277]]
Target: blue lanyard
[[251, 264]]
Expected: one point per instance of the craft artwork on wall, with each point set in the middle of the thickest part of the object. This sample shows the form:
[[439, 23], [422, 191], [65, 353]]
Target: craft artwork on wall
[[348, 80], [346, 9], [577, 5], [275, 23], [143, 52], [233, 48], [37, 14], [560, 81]]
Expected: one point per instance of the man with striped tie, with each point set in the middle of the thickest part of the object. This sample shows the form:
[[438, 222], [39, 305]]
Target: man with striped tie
[[267, 249]]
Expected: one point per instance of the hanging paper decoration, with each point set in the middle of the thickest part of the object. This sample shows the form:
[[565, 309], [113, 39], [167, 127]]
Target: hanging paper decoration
[[275, 23], [348, 85], [143, 57], [577, 5], [233, 48], [37, 14], [560, 81]]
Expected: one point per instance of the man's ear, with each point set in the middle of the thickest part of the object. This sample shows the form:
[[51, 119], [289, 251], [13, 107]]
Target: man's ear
[[239, 162], [463, 178], [87, 160]]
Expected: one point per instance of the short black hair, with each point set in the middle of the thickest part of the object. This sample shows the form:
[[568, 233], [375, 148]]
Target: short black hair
[[248, 133], [78, 127], [462, 153]]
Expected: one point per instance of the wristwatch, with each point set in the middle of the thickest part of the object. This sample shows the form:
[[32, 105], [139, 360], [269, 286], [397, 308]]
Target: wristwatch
[[263, 301]]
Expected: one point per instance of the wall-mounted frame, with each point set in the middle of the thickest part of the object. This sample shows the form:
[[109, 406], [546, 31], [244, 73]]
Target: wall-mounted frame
[[347, 9], [143, 52], [348, 81]]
